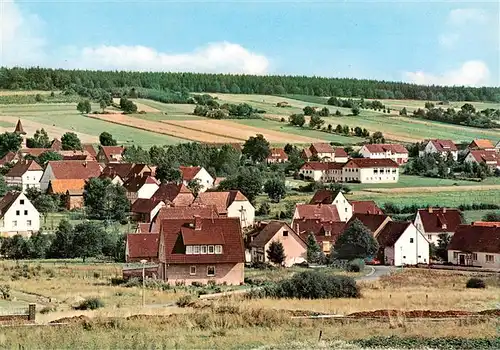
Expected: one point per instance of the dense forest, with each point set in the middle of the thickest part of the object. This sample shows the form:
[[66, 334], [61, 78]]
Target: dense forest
[[51, 79]]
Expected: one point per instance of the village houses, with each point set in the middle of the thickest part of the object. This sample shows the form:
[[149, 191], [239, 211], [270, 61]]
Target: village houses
[[294, 246], [489, 157], [110, 154], [190, 173], [137, 187], [144, 210], [68, 169], [201, 250], [482, 145], [477, 244], [70, 191], [396, 152], [142, 246], [24, 174], [174, 194], [18, 216], [277, 155], [432, 222], [441, 147], [324, 152]]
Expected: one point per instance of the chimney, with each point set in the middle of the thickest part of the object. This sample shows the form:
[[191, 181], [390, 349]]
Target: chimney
[[430, 210], [444, 210], [85, 164], [197, 223]]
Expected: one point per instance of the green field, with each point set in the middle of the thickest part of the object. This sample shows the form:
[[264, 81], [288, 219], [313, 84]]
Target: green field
[[477, 215], [5, 124], [66, 116]]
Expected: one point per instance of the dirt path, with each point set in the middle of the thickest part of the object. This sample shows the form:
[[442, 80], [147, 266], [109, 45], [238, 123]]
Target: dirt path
[[163, 128], [239, 131], [30, 127]]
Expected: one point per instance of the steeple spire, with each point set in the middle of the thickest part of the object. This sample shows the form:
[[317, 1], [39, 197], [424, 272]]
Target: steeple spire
[[19, 128]]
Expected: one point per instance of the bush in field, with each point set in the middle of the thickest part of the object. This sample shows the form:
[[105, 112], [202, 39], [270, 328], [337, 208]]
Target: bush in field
[[355, 265], [311, 285], [184, 301], [90, 304], [475, 283]]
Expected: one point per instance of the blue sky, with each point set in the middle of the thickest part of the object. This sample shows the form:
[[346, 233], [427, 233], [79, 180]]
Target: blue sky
[[424, 42]]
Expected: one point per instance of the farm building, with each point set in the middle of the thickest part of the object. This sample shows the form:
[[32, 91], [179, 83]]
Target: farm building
[[481, 144], [396, 152], [68, 170], [138, 187], [70, 191], [110, 154], [476, 245], [144, 210], [142, 246], [366, 170], [442, 147], [491, 158], [277, 155], [174, 194]]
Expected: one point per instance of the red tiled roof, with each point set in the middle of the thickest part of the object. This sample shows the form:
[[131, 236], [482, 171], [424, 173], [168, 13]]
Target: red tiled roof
[[488, 157], [487, 223], [384, 147], [371, 163], [481, 144], [143, 227], [391, 233], [144, 246], [473, 238], [306, 153], [7, 201], [170, 191], [365, 207], [76, 155], [35, 152], [121, 169], [440, 220], [111, 151], [218, 180], [9, 157], [74, 169], [340, 152], [61, 186], [89, 148], [277, 154], [189, 172], [323, 212], [144, 206], [56, 145], [323, 166], [182, 213], [323, 197], [444, 145], [326, 230], [269, 231], [21, 167], [372, 221], [134, 184], [221, 200], [321, 148], [223, 231]]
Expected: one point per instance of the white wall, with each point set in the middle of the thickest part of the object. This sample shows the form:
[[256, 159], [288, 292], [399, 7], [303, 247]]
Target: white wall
[[147, 191], [233, 211], [12, 223], [313, 174], [343, 207], [371, 175], [478, 259], [432, 237], [429, 148], [206, 180], [31, 179], [411, 248]]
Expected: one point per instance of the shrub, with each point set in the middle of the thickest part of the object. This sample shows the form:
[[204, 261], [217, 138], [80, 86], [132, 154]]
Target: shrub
[[355, 265], [90, 304], [311, 285], [196, 284], [116, 281], [475, 283], [47, 309], [184, 301], [97, 275]]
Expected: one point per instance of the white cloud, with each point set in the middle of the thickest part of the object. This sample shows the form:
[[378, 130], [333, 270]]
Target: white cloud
[[464, 24], [22, 44], [223, 57], [460, 17], [471, 73], [20, 39]]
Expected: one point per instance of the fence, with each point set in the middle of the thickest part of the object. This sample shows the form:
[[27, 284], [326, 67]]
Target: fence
[[18, 315]]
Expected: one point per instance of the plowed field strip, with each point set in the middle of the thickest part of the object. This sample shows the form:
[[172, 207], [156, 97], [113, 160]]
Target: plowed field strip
[[162, 128], [238, 131]]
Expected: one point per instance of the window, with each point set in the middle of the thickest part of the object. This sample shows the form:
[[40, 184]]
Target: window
[[25, 212], [218, 249], [21, 201], [196, 249], [14, 223], [375, 171], [189, 249], [429, 236], [192, 270], [18, 212], [211, 271], [285, 233], [28, 223], [474, 256], [455, 255], [411, 240], [346, 210], [490, 258], [203, 249], [394, 171]]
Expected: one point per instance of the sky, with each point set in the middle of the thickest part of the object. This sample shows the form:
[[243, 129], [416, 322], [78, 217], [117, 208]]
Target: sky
[[425, 42]]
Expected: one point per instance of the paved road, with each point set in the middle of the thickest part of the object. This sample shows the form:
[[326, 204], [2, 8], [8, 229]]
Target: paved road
[[376, 272]]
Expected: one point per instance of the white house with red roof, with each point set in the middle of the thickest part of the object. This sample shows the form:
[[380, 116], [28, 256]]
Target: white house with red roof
[[489, 157], [143, 187], [366, 170], [17, 215], [201, 250], [189, 173], [25, 174], [442, 147], [432, 222], [232, 204], [322, 171], [396, 152], [481, 144], [277, 155], [110, 154], [326, 153]]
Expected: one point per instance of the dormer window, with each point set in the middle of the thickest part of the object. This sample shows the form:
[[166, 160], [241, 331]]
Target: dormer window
[[328, 233], [444, 226]]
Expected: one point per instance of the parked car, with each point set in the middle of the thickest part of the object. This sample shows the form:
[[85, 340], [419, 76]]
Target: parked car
[[372, 261]]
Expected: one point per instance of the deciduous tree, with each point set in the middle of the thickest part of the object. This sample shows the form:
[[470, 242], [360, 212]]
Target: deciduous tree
[[356, 242], [257, 148], [275, 189], [70, 141], [10, 142], [106, 139], [276, 253]]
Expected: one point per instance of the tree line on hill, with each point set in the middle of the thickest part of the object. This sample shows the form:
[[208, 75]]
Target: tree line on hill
[[51, 79]]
